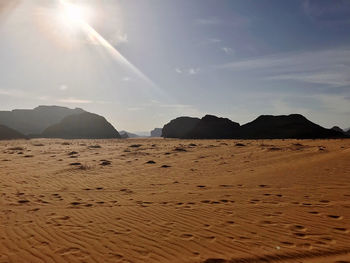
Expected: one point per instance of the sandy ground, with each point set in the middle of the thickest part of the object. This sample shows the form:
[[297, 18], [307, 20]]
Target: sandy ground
[[155, 200]]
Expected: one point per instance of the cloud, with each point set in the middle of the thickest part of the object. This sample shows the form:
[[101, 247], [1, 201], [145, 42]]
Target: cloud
[[227, 50], [208, 21], [74, 101], [214, 40], [188, 71], [178, 70], [193, 71], [327, 67], [63, 87], [12, 93], [177, 106], [135, 108], [126, 79], [328, 78], [119, 38], [334, 103], [236, 20], [328, 12]]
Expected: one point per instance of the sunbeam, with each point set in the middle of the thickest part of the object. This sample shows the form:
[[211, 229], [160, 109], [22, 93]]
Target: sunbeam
[[76, 16]]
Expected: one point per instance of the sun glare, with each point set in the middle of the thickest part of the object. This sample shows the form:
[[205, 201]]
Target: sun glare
[[74, 15]]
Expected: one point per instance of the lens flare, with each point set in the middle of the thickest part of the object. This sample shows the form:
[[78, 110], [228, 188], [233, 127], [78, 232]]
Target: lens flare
[[77, 17]]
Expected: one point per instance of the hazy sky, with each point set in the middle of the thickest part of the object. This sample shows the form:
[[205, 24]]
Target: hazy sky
[[234, 58]]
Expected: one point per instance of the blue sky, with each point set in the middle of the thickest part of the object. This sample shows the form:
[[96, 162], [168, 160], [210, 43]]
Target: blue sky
[[237, 59]]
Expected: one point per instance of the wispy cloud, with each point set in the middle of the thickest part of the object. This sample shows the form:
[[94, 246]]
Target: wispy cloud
[[63, 87], [328, 67], [12, 93], [208, 21], [74, 101], [227, 50], [193, 71], [214, 40], [187, 71], [177, 106], [178, 70], [126, 79], [119, 38], [135, 108], [327, 12]]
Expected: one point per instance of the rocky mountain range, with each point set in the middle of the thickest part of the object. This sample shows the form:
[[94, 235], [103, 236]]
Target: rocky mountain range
[[35, 121], [55, 122], [156, 132], [294, 126], [85, 125], [179, 127], [62, 122]]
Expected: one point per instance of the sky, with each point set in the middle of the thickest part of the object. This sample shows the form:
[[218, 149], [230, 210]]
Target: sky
[[142, 63]]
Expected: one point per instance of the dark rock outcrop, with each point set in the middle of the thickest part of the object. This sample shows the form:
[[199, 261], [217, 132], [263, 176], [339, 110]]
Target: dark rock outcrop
[[37, 120], [338, 129], [212, 127], [7, 133], [294, 126], [82, 126], [156, 132], [347, 131], [179, 127]]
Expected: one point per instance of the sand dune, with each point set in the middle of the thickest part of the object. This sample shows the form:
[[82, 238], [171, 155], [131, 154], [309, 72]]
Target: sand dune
[[155, 200]]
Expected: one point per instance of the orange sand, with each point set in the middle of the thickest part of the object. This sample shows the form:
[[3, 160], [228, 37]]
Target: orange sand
[[266, 201]]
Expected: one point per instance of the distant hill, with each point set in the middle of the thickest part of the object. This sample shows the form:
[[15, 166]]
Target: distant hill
[[35, 121], [212, 127], [337, 128], [179, 127], [264, 127], [82, 126], [285, 126], [125, 134], [156, 132], [7, 133]]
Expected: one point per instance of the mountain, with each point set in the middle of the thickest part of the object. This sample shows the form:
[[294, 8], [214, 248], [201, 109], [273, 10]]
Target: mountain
[[212, 127], [7, 133], [294, 126], [82, 126], [35, 121], [125, 135], [179, 127], [336, 128], [156, 132], [285, 126]]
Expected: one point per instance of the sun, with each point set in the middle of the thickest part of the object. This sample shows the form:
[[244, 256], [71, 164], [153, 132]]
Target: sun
[[73, 14]]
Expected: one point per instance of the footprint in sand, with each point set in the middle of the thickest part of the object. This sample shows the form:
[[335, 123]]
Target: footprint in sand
[[298, 228], [187, 236], [287, 244], [300, 235], [341, 229], [335, 217], [263, 186], [314, 212]]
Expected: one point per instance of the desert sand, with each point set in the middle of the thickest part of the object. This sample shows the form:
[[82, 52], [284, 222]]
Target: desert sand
[[160, 200]]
